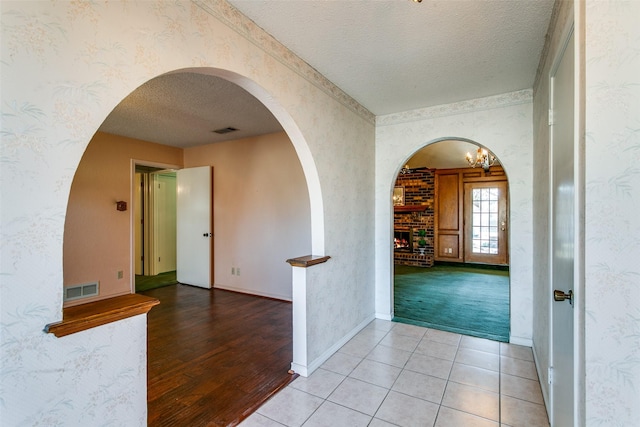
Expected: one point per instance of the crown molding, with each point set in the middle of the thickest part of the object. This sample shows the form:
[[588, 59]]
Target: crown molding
[[235, 20], [480, 104]]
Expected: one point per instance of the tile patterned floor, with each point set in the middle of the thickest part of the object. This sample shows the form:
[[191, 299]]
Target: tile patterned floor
[[393, 374]]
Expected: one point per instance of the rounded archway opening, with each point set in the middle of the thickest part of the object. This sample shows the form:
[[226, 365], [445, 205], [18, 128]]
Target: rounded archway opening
[[450, 240], [259, 170]]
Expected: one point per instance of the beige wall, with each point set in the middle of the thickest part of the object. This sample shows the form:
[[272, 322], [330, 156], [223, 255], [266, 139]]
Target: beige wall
[[97, 237], [261, 212]]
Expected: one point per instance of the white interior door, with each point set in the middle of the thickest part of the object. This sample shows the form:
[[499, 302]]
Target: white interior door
[[563, 239], [194, 230]]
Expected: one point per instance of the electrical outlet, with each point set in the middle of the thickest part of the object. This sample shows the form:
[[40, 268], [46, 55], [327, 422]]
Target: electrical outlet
[[120, 274], [237, 271], [233, 271]]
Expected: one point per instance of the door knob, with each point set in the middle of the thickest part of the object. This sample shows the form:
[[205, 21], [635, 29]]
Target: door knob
[[561, 296]]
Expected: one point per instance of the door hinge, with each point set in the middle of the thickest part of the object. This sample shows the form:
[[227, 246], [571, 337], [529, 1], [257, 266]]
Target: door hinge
[[550, 375], [551, 117]]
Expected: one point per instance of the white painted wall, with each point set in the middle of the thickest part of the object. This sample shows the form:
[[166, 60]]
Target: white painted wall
[[261, 212], [65, 66], [501, 123]]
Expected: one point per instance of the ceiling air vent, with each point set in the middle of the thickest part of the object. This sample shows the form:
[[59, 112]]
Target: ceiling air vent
[[85, 290], [225, 130]]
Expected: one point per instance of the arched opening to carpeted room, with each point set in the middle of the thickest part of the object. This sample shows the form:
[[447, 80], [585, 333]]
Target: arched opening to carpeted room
[[450, 230]]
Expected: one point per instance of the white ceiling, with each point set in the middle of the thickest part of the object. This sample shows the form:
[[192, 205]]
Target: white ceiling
[[389, 55]]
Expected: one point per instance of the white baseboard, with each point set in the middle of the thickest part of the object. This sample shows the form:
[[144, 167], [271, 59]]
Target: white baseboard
[[253, 292], [383, 316], [305, 371], [543, 386], [527, 342]]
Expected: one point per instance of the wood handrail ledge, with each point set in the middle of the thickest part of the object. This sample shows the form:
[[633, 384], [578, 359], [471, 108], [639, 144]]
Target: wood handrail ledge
[[308, 260], [86, 316]]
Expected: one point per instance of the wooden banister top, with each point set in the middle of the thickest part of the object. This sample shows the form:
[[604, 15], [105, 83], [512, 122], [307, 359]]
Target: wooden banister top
[[308, 260], [97, 313]]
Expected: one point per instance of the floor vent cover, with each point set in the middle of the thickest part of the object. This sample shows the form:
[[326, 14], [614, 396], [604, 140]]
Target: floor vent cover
[[85, 290]]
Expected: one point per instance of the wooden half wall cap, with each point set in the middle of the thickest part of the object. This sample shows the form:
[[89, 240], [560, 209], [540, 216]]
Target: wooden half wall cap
[[308, 260], [90, 315]]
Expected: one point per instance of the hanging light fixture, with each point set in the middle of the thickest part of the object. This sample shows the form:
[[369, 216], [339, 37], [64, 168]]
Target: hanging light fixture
[[483, 159], [405, 169]]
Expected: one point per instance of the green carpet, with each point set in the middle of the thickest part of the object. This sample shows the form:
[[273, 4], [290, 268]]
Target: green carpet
[[462, 299], [144, 283]]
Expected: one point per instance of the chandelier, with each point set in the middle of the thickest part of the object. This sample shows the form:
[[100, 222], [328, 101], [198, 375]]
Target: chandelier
[[483, 159]]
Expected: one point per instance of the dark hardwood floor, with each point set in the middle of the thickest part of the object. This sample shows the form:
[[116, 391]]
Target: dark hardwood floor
[[214, 356]]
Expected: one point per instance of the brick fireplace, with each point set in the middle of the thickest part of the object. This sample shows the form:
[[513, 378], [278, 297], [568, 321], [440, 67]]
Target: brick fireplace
[[416, 214]]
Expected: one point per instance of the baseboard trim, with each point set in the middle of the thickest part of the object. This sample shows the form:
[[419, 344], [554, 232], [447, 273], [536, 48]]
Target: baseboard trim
[[527, 342], [252, 292], [543, 386], [315, 364]]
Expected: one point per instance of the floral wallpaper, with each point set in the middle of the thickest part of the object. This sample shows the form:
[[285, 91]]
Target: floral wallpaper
[[501, 123], [65, 66], [612, 203]]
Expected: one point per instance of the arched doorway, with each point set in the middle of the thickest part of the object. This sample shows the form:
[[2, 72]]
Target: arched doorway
[[450, 241], [121, 152]]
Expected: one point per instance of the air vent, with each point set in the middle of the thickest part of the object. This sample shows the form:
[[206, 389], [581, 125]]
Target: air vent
[[225, 130], [85, 290]]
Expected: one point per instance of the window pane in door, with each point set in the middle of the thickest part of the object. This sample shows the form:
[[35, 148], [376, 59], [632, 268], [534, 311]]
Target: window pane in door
[[485, 220]]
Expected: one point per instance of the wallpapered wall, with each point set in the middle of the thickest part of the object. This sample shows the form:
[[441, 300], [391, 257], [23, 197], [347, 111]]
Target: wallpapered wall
[[65, 66], [501, 123], [612, 203]]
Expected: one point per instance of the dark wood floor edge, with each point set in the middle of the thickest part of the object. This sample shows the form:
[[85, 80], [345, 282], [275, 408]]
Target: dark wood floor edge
[[254, 407], [246, 293]]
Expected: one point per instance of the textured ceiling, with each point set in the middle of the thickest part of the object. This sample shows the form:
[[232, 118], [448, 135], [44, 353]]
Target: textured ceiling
[[397, 55], [183, 109], [389, 55]]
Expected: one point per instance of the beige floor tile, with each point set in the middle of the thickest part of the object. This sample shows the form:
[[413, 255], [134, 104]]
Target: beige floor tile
[[258, 420], [516, 412], [290, 407], [436, 349], [477, 358], [330, 414], [383, 325], [480, 344], [521, 388], [379, 423], [389, 355], [472, 400], [376, 373], [448, 417], [401, 342], [321, 383], [359, 395], [358, 347], [403, 410], [421, 386], [475, 377], [516, 351], [371, 334], [429, 365], [341, 363], [518, 367], [409, 330], [444, 337]]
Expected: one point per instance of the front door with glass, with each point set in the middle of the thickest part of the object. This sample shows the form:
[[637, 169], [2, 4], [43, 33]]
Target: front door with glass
[[485, 213]]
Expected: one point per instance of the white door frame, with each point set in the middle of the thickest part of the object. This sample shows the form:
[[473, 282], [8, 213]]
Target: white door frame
[[132, 197], [578, 205]]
